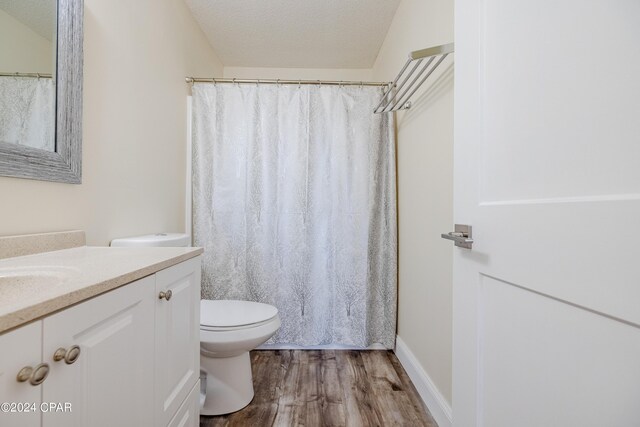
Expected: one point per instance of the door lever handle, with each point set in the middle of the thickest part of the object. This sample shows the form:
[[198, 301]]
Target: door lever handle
[[461, 236], [457, 237]]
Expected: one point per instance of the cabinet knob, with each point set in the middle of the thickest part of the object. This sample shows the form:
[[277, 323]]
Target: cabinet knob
[[69, 356], [165, 295], [35, 376]]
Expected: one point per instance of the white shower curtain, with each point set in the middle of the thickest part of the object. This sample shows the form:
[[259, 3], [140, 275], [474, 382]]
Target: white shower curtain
[[27, 112], [295, 204]]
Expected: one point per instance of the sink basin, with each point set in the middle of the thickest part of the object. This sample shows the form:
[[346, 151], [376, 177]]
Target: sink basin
[[34, 278]]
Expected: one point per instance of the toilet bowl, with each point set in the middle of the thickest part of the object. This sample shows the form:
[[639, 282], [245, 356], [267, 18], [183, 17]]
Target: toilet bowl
[[228, 331]]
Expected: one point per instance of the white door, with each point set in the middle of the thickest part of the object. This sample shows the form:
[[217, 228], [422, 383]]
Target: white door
[[547, 171], [110, 383], [177, 347], [21, 376]]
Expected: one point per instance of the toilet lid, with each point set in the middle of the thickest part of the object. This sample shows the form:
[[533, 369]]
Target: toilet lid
[[230, 313]]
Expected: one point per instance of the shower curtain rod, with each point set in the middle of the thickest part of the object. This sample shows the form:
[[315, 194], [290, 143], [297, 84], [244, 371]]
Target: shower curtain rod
[[285, 81], [35, 75]]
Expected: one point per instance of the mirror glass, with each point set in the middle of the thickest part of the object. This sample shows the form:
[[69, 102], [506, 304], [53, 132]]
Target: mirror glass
[[28, 73]]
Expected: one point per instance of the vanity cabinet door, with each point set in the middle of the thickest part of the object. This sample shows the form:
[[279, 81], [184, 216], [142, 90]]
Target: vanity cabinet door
[[189, 413], [177, 366], [110, 382], [19, 349]]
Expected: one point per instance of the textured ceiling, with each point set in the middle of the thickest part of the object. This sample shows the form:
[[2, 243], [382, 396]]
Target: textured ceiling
[[39, 15], [295, 33]]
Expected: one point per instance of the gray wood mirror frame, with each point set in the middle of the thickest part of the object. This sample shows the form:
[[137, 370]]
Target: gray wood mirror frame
[[65, 163]]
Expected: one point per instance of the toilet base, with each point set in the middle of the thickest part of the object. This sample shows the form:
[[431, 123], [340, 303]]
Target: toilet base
[[228, 384]]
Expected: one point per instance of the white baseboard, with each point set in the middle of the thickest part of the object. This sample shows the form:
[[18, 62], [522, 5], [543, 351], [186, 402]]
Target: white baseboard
[[431, 396]]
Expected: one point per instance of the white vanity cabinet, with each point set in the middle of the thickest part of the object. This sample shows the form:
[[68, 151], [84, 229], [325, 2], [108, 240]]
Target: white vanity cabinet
[[189, 413], [109, 383], [177, 367], [138, 363], [21, 351]]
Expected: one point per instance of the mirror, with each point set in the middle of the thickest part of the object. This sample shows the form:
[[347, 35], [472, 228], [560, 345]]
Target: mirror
[[41, 89], [27, 68]]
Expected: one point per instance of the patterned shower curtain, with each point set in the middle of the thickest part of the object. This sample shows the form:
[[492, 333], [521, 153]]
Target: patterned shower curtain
[[294, 201]]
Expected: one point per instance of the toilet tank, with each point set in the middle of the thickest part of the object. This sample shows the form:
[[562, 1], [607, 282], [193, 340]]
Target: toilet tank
[[158, 239]]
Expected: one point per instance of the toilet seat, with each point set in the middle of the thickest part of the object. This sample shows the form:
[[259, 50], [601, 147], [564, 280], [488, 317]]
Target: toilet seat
[[231, 315], [234, 328]]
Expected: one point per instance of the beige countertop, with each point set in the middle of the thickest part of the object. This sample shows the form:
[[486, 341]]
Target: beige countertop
[[79, 273]]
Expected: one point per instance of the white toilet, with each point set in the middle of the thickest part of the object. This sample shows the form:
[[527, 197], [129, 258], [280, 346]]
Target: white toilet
[[228, 331]]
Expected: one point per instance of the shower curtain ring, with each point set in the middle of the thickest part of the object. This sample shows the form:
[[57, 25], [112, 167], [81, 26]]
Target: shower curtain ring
[[257, 82], [360, 85], [299, 83], [234, 80], [278, 82]]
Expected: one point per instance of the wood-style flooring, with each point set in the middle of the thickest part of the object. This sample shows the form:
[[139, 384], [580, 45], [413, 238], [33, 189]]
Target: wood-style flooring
[[309, 388]]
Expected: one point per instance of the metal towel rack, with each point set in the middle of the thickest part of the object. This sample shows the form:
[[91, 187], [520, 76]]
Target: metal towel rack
[[398, 96]]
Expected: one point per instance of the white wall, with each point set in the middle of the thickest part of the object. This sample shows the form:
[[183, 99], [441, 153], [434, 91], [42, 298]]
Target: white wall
[[23, 50], [354, 74], [137, 54], [425, 189]]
